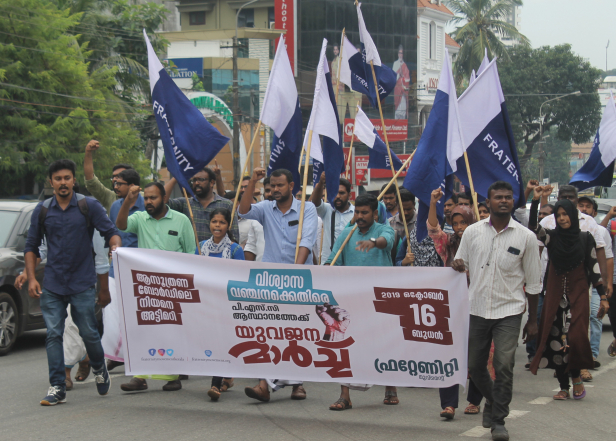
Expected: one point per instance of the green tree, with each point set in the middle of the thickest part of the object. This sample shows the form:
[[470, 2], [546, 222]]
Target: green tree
[[197, 84], [532, 76], [481, 24], [556, 164], [51, 103]]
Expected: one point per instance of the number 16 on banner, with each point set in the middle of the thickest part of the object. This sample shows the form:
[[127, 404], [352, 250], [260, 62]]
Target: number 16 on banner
[[424, 313]]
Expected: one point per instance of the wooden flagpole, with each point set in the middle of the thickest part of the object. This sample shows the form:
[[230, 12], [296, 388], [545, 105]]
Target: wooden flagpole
[[470, 180], [324, 201], [348, 168], [405, 165], [239, 184], [391, 162], [191, 216], [301, 211]]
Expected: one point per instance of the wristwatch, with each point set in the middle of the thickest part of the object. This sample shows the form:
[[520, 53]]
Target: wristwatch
[[373, 240]]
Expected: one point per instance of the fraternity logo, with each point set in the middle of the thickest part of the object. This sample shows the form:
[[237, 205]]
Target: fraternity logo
[[208, 353]]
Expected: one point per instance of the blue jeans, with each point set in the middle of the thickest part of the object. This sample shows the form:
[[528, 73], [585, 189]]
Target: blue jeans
[[54, 307], [596, 325], [505, 333], [531, 346]]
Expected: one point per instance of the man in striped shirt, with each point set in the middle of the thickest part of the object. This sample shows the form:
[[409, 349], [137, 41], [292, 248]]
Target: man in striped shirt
[[501, 256]]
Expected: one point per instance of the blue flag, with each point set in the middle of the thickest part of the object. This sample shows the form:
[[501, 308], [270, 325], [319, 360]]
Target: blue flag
[[487, 135], [189, 140], [438, 148], [286, 149], [599, 169]]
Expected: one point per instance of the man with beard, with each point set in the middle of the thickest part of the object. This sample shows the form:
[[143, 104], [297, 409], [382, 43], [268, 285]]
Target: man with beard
[[96, 188], [267, 190], [112, 339], [67, 222], [280, 220], [157, 228], [335, 219], [390, 200], [206, 201], [370, 245]]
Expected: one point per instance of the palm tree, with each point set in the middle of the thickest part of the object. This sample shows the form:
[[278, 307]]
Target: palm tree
[[481, 27]]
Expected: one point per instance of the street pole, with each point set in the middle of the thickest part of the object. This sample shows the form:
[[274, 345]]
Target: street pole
[[608, 45], [236, 103], [252, 121], [541, 152]]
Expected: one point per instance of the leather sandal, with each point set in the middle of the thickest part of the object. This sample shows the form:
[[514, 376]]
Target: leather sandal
[[84, 370], [562, 395], [585, 375], [227, 383], [341, 404], [448, 413], [214, 393], [391, 398], [471, 409], [299, 393]]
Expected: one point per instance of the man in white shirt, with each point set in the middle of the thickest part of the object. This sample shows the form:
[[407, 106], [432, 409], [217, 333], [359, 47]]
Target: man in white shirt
[[251, 239], [588, 206], [334, 220], [501, 256]]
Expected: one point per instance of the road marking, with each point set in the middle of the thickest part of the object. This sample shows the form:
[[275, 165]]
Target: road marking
[[541, 400], [604, 369], [476, 432], [91, 380], [513, 414]]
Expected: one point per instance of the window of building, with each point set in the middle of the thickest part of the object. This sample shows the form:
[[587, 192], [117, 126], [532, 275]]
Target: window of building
[[246, 19], [196, 18], [271, 16], [432, 41]]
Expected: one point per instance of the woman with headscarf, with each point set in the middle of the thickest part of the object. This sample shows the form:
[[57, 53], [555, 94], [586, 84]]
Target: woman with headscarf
[[563, 343], [446, 246]]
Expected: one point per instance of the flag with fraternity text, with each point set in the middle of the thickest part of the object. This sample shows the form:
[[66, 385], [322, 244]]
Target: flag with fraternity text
[[486, 133], [438, 149], [189, 140], [599, 169], [385, 76], [282, 113], [207, 316], [366, 133], [324, 121]]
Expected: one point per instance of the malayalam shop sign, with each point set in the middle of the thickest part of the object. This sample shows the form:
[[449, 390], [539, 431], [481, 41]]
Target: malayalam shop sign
[[397, 129]]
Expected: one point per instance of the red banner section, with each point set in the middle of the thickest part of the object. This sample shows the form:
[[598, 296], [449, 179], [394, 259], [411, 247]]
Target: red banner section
[[397, 129], [284, 15], [361, 170]]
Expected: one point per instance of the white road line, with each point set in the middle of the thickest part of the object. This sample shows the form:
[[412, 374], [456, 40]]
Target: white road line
[[604, 369], [476, 432], [541, 400], [91, 380], [513, 414]]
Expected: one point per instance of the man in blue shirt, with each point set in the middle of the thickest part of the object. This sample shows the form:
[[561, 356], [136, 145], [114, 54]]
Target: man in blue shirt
[[370, 245], [280, 220], [112, 340], [70, 277]]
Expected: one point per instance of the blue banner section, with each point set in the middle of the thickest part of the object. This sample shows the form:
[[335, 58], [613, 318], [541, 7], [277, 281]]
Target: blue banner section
[[362, 81], [187, 67], [293, 287], [430, 168], [333, 156], [287, 149], [594, 172], [378, 157], [189, 140], [493, 157]]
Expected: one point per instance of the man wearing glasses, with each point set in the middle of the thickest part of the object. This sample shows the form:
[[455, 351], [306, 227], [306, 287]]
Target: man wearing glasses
[[96, 188], [206, 201]]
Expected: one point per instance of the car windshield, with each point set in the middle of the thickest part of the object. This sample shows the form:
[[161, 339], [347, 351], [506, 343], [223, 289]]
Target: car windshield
[[7, 220]]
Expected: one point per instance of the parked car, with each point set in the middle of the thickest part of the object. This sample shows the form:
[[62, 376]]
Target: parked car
[[18, 311]]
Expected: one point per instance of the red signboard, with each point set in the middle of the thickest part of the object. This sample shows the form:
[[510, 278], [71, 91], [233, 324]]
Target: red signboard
[[284, 14], [361, 169], [397, 129]]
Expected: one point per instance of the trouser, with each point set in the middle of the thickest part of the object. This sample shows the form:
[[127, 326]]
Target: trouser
[[54, 308], [217, 382], [563, 377], [449, 396], [348, 98], [531, 346], [612, 314], [474, 395], [505, 333], [74, 349], [596, 324]]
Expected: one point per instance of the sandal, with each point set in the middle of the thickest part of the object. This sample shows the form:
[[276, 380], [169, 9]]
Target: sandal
[[448, 413], [611, 350], [227, 383], [562, 395], [471, 409], [214, 393], [391, 398], [585, 375], [84, 370], [341, 404], [579, 396]]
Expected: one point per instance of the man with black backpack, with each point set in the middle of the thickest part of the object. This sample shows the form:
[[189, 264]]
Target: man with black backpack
[[67, 221]]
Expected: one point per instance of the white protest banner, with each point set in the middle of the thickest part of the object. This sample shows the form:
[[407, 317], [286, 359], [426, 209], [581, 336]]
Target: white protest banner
[[200, 315]]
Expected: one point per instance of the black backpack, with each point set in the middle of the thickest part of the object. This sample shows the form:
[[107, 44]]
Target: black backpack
[[82, 203]]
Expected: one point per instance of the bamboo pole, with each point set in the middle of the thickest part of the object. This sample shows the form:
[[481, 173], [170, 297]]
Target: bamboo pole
[[347, 169], [339, 64], [323, 228], [192, 219], [303, 206], [391, 163], [239, 184], [405, 165]]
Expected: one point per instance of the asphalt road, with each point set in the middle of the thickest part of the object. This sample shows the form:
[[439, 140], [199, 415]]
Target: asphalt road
[[189, 414]]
